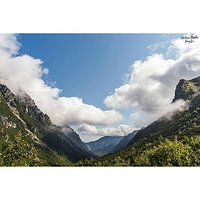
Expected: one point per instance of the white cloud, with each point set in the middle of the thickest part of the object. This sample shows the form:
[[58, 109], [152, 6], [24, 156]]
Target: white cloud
[[152, 81], [23, 72], [150, 88], [87, 129], [142, 118], [157, 46], [143, 89], [121, 130], [9, 44], [179, 105], [179, 46]]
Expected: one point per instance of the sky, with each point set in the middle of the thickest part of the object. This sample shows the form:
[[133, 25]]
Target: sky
[[99, 84], [88, 66]]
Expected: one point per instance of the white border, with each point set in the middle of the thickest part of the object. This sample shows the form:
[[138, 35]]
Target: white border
[[100, 183], [99, 16]]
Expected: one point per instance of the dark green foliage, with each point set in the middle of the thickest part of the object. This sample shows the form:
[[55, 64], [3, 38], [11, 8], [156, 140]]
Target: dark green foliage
[[19, 152], [167, 153]]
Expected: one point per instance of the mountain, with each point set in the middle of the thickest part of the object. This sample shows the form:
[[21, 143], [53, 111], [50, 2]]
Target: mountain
[[21, 118], [168, 141], [104, 145], [188, 90], [28, 137], [124, 141]]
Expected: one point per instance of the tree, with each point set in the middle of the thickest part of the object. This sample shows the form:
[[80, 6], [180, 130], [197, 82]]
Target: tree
[[19, 152], [167, 153]]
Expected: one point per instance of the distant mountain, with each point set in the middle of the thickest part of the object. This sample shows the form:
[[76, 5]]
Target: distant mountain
[[169, 141], [104, 145], [124, 141], [52, 144]]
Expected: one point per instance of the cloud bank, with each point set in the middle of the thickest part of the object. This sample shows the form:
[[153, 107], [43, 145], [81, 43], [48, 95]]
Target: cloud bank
[[23, 72], [121, 130]]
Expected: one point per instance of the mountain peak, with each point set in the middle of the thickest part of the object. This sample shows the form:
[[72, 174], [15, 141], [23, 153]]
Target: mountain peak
[[6, 92], [186, 89], [196, 80]]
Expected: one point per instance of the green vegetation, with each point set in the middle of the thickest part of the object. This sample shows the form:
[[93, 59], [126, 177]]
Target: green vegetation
[[182, 151], [19, 152], [17, 147], [48, 142], [173, 140], [187, 122]]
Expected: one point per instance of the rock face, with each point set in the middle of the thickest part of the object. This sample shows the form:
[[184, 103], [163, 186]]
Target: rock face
[[22, 113], [185, 89], [26, 100]]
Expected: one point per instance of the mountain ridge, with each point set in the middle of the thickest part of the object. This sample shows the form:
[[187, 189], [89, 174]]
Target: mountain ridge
[[104, 145], [188, 90], [22, 112], [28, 137], [124, 141]]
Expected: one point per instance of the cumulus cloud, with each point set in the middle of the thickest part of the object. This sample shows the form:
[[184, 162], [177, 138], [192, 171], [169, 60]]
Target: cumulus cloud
[[152, 81], [121, 130], [23, 72]]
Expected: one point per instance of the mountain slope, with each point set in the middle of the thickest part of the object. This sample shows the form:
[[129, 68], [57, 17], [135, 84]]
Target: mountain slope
[[173, 141], [20, 114], [124, 141], [104, 145], [180, 121]]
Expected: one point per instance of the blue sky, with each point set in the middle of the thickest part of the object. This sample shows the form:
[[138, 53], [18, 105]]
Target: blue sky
[[88, 66], [93, 67], [91, 70]]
